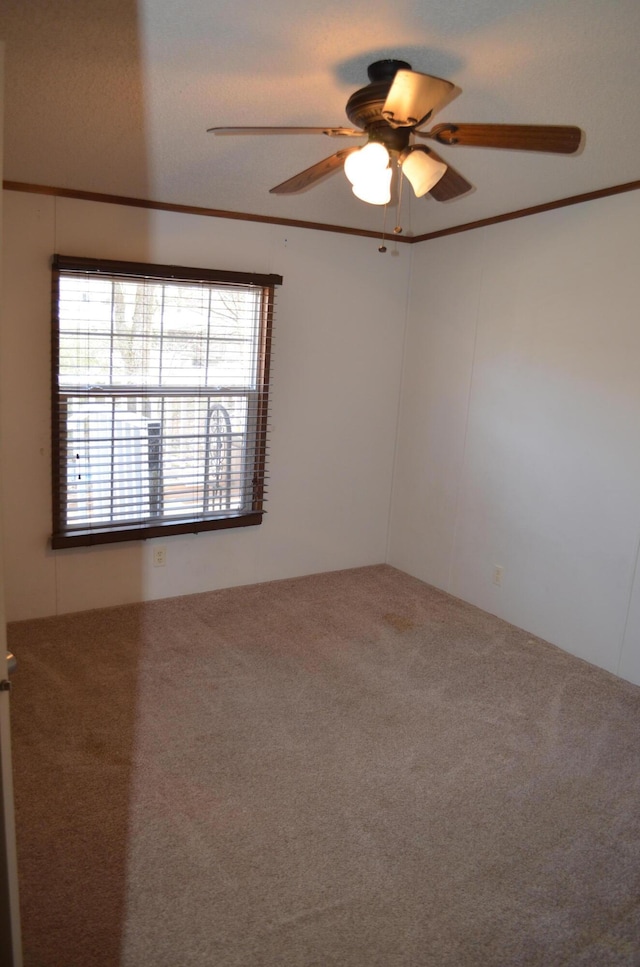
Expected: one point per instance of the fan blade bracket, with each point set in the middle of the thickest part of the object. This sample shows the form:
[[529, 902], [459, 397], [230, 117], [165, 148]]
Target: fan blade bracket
[[445, 134], [343, 133], [408, 123]]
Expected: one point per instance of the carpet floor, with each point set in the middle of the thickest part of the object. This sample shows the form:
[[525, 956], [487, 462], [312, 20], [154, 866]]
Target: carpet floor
[[351, 769]]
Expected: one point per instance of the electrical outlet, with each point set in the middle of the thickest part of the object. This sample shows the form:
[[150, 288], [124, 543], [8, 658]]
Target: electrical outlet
[[498, 571], [159, 556]]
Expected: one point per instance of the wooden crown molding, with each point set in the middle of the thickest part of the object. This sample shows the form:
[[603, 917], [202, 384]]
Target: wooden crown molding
[[534, 210], [189, 209], [317, 226]]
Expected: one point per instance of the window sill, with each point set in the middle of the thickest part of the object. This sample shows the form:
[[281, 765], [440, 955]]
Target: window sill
[[147, 531]]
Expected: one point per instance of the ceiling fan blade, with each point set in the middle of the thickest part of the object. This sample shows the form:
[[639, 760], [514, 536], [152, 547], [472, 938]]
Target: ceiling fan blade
[[557, 139], [332, 132], [451, 185], [414, 97], [310, 176]]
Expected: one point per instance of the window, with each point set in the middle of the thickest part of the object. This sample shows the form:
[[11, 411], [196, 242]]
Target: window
[[160, 384]]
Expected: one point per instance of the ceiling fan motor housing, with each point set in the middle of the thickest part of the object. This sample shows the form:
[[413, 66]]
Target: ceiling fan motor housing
[[364, 107], [386, 70]]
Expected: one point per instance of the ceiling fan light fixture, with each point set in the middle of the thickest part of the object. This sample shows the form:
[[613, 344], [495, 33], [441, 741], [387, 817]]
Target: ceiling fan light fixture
[[375, 188], [390, 112], [366, 162], [369, 173], [421, 169]]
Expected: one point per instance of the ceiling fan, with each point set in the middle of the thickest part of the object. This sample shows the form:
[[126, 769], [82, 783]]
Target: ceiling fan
[[390, 112]]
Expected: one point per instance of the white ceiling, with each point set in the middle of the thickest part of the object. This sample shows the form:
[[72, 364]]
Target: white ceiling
[[115, 96]]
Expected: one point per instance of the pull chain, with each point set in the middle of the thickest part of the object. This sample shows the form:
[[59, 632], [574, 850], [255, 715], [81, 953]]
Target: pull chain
[[383, 247], [398, 229]]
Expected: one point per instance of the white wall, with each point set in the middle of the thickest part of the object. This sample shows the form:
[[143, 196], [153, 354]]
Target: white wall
[[336, 381], [519, 439]]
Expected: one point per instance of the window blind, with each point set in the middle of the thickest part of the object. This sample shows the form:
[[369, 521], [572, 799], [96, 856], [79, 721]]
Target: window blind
[[160, 399]]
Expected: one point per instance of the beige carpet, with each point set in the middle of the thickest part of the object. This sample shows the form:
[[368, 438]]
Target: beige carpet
[[350, 769]]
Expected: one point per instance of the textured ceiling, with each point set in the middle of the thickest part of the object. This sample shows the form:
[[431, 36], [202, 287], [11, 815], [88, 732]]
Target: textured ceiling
[[115, 96]]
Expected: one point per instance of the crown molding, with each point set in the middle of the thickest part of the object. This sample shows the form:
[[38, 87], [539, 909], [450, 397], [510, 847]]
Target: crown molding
[[317, 226], [189, 209], [534, 210]]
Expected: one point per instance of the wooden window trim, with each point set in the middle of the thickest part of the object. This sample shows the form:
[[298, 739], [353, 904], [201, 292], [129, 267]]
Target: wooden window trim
[[62, 537]]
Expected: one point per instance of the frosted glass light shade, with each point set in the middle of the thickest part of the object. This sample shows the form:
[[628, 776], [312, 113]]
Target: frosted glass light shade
[[422, 171], [376, 189], [361, 164]]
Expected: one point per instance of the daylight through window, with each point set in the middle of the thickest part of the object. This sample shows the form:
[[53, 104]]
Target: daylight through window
[[160, 386]]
